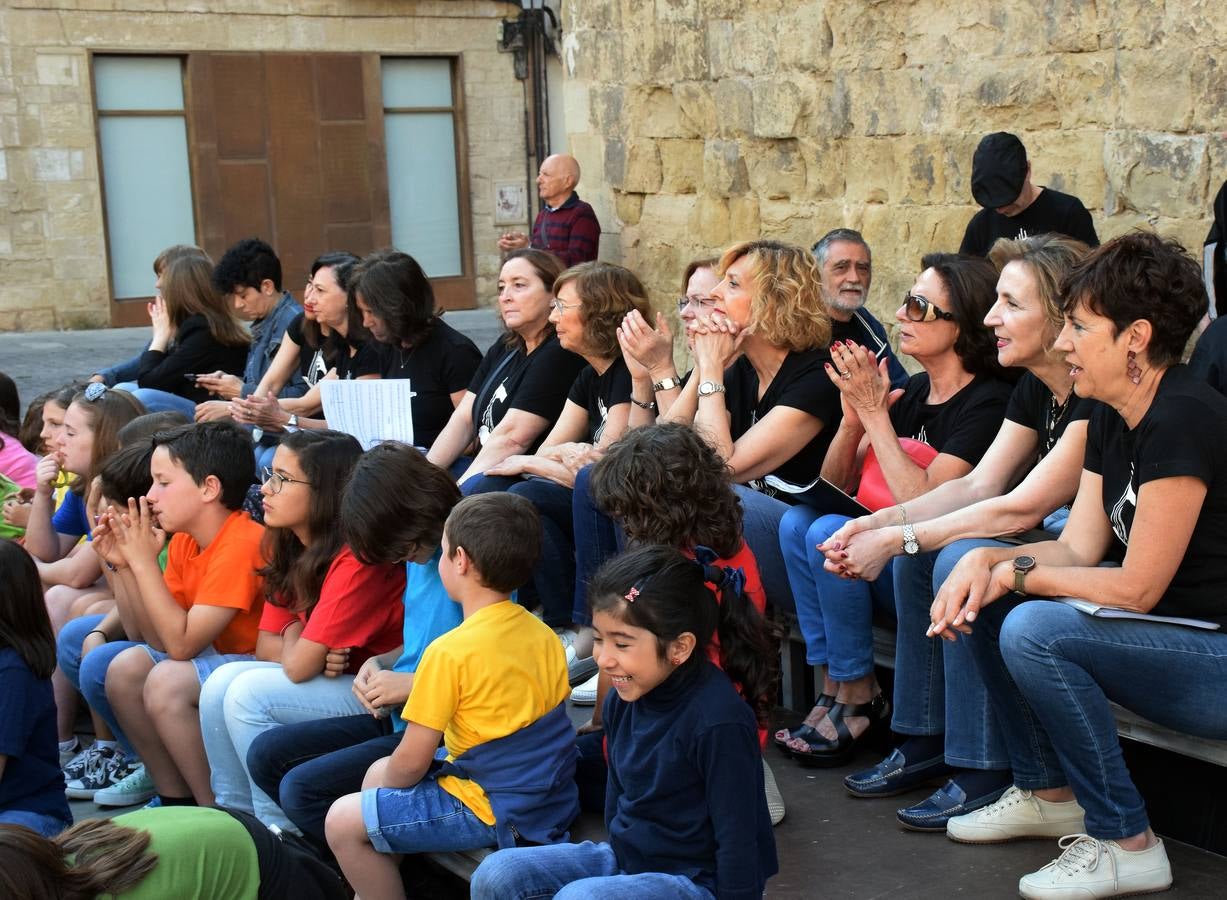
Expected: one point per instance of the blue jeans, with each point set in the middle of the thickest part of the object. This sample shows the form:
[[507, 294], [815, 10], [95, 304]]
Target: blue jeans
[[1052, 671], [835, 614], [128, 370], [760, 528], [572, 872], [597, 539], [422, 819], [159, 401], [89, 674], [938, 688], [304, 768], [47, 826]]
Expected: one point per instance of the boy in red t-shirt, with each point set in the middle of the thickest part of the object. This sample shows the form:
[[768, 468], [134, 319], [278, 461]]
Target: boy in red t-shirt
[[203, 612]]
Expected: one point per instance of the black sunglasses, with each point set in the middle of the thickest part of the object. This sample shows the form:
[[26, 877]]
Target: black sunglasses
[[922, 309]]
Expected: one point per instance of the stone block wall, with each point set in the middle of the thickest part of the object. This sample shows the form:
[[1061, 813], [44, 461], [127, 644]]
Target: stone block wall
[[703, 122], [53, 267]]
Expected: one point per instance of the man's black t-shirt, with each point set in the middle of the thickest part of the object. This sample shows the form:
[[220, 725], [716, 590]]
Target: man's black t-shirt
[[1184, 433], [801, 383], [436, 369], [598, 394], [1033, 406], [1052, 211], [1209, 359], [963, 426], [536, 383]]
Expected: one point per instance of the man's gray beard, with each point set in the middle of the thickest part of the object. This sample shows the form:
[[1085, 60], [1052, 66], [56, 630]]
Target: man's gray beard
[[834, 304]]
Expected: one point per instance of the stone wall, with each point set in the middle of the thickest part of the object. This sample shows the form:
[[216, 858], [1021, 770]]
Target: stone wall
[[53, 268], [702, 122]]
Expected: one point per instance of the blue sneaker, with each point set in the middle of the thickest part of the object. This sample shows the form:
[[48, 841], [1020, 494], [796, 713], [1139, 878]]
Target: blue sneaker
[[135, 789], [155, 803]]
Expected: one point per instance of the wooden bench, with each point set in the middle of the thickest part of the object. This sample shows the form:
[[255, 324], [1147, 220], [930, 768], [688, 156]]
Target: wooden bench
[[799, 691]]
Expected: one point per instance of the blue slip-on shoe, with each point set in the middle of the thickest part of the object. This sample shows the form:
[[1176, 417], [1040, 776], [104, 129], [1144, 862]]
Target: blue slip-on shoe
[[895, 775], [945, 803]]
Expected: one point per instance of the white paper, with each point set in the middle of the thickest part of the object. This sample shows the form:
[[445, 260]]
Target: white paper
[[372, 410], [1112, 612]]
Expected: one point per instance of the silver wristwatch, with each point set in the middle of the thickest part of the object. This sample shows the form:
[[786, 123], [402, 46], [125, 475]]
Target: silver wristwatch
[[911, 546]]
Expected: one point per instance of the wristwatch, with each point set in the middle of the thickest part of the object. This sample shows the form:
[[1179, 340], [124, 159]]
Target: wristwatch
[[666, 384], [291, 424], [707, 388], [1022, 565], [911, 546]]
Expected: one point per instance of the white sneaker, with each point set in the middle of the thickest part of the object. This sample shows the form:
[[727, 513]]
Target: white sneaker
[[73, 753], [585, 694], [101, 768], [136, 788], [578, 668], [1017, 814], [1093, 868]]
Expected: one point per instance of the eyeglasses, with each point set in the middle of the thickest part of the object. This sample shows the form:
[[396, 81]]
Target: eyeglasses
[[921, 309], [702, 304], [563, 307], [276, 481]]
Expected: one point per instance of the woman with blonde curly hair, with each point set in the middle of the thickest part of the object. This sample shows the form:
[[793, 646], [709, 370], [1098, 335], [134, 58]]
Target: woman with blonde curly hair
[[758, 391]]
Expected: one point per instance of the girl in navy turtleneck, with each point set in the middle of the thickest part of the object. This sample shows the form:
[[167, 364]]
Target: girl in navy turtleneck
[[684, 804]]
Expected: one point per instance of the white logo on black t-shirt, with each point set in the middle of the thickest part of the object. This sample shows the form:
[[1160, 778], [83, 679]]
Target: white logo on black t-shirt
[[602, 411], [1128, 501], [487, 415]]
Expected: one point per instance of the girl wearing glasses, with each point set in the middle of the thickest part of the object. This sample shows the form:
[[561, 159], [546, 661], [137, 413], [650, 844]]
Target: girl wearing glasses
[[955, 406], [327, 613]]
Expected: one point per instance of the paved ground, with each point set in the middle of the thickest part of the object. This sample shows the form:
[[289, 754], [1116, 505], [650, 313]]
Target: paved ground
[[39, 361]]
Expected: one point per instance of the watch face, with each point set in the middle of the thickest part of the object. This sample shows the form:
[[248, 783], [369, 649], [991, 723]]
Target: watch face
[[1025, 563]]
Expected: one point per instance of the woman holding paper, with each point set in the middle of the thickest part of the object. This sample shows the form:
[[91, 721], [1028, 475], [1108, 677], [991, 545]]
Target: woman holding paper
[[950, 412], [1053, 671]]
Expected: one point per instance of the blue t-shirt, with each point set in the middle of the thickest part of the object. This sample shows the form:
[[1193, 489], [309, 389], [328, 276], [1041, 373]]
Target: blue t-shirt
[[429, 612], [71, 518], [32, 780]]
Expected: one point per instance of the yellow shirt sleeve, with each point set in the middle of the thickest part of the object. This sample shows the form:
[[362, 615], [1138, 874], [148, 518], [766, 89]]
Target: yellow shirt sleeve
[[436, 690]]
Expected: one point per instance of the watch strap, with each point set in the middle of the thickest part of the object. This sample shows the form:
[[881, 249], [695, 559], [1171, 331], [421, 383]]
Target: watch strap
[[666, 384]]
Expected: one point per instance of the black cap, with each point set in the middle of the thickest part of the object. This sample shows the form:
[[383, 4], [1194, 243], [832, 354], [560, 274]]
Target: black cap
[[998, 170]]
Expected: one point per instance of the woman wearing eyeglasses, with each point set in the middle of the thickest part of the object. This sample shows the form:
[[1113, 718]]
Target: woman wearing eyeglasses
[[955, 406], [326, 614]]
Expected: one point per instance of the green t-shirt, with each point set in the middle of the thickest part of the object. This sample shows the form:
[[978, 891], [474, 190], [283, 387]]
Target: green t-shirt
[[203, 854]]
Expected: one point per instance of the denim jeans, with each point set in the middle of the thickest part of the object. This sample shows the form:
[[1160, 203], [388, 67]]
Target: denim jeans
[[835, 614], [128, 370], [422, 819], [91, 673], [47, 826], [938, 688], [1053, 671], [241, 701], [159, 401], [572, 872], [597, 539], [305, 768], [760, 528]]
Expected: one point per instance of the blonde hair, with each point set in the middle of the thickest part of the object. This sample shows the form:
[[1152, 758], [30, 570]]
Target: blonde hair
[[1048, 257], [787, 309]]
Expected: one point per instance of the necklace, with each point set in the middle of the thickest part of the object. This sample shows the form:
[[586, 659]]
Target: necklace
[[1056, 415]]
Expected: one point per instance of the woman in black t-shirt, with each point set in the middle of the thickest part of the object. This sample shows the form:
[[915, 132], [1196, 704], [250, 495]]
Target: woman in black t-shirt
[[1154, 486], [520, 387], [955, 406], [954, 731]]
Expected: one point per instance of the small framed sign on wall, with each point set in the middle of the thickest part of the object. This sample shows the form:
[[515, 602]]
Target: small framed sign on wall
[[510, 203]]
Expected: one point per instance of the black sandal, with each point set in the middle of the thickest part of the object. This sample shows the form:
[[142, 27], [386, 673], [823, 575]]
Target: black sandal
[[806, 732], [825, 753]]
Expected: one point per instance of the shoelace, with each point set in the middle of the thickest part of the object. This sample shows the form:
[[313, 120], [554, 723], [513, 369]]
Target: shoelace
[[1011, 798], [1081, 851], [95, 763], [80, 762]]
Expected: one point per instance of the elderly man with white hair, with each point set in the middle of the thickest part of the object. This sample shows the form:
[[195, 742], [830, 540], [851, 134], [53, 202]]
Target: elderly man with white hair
[[566, 225]]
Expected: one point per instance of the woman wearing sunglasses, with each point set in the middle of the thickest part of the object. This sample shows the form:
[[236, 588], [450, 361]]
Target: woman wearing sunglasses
[[955, 406]]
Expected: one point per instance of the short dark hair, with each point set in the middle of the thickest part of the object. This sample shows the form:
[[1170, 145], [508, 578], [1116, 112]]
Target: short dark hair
[[822, 247], [247, 264], [24, 623], [126, 474], [971, 285], [142, 428], [384, 520], [501, 533], [221, 449], [396, 289], [1141, 275]]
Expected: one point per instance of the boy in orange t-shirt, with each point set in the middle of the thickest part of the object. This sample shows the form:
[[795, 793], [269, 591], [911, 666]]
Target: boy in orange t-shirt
[[203, 612]]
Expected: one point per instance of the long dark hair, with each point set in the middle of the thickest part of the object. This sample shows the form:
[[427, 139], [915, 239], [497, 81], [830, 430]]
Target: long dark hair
[[106, 859], [342, 263], [666, 485], [295, 573], [397, 290], [10, 409], [24, 623], [971, 286], [547, 267], [671, 597]]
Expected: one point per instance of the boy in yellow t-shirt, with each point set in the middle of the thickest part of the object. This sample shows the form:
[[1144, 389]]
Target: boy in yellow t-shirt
[[499, 672]]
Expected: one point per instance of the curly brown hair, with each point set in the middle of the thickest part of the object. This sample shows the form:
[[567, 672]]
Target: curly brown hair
[[788, 310], [666, 485], [607, 293]]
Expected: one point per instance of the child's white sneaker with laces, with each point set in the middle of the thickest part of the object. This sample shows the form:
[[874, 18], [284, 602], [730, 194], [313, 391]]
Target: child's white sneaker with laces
[[1089, 867]]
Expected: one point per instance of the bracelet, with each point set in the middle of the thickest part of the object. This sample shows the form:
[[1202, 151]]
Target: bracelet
[[105, 639], [902, 512], [666, 384], [649, 405]]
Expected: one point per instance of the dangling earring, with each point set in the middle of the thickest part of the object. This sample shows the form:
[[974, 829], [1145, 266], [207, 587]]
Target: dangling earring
[[1132, 369]]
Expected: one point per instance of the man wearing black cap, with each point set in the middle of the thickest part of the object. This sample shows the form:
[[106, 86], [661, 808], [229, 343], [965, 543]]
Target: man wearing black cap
[[1013, 206]]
